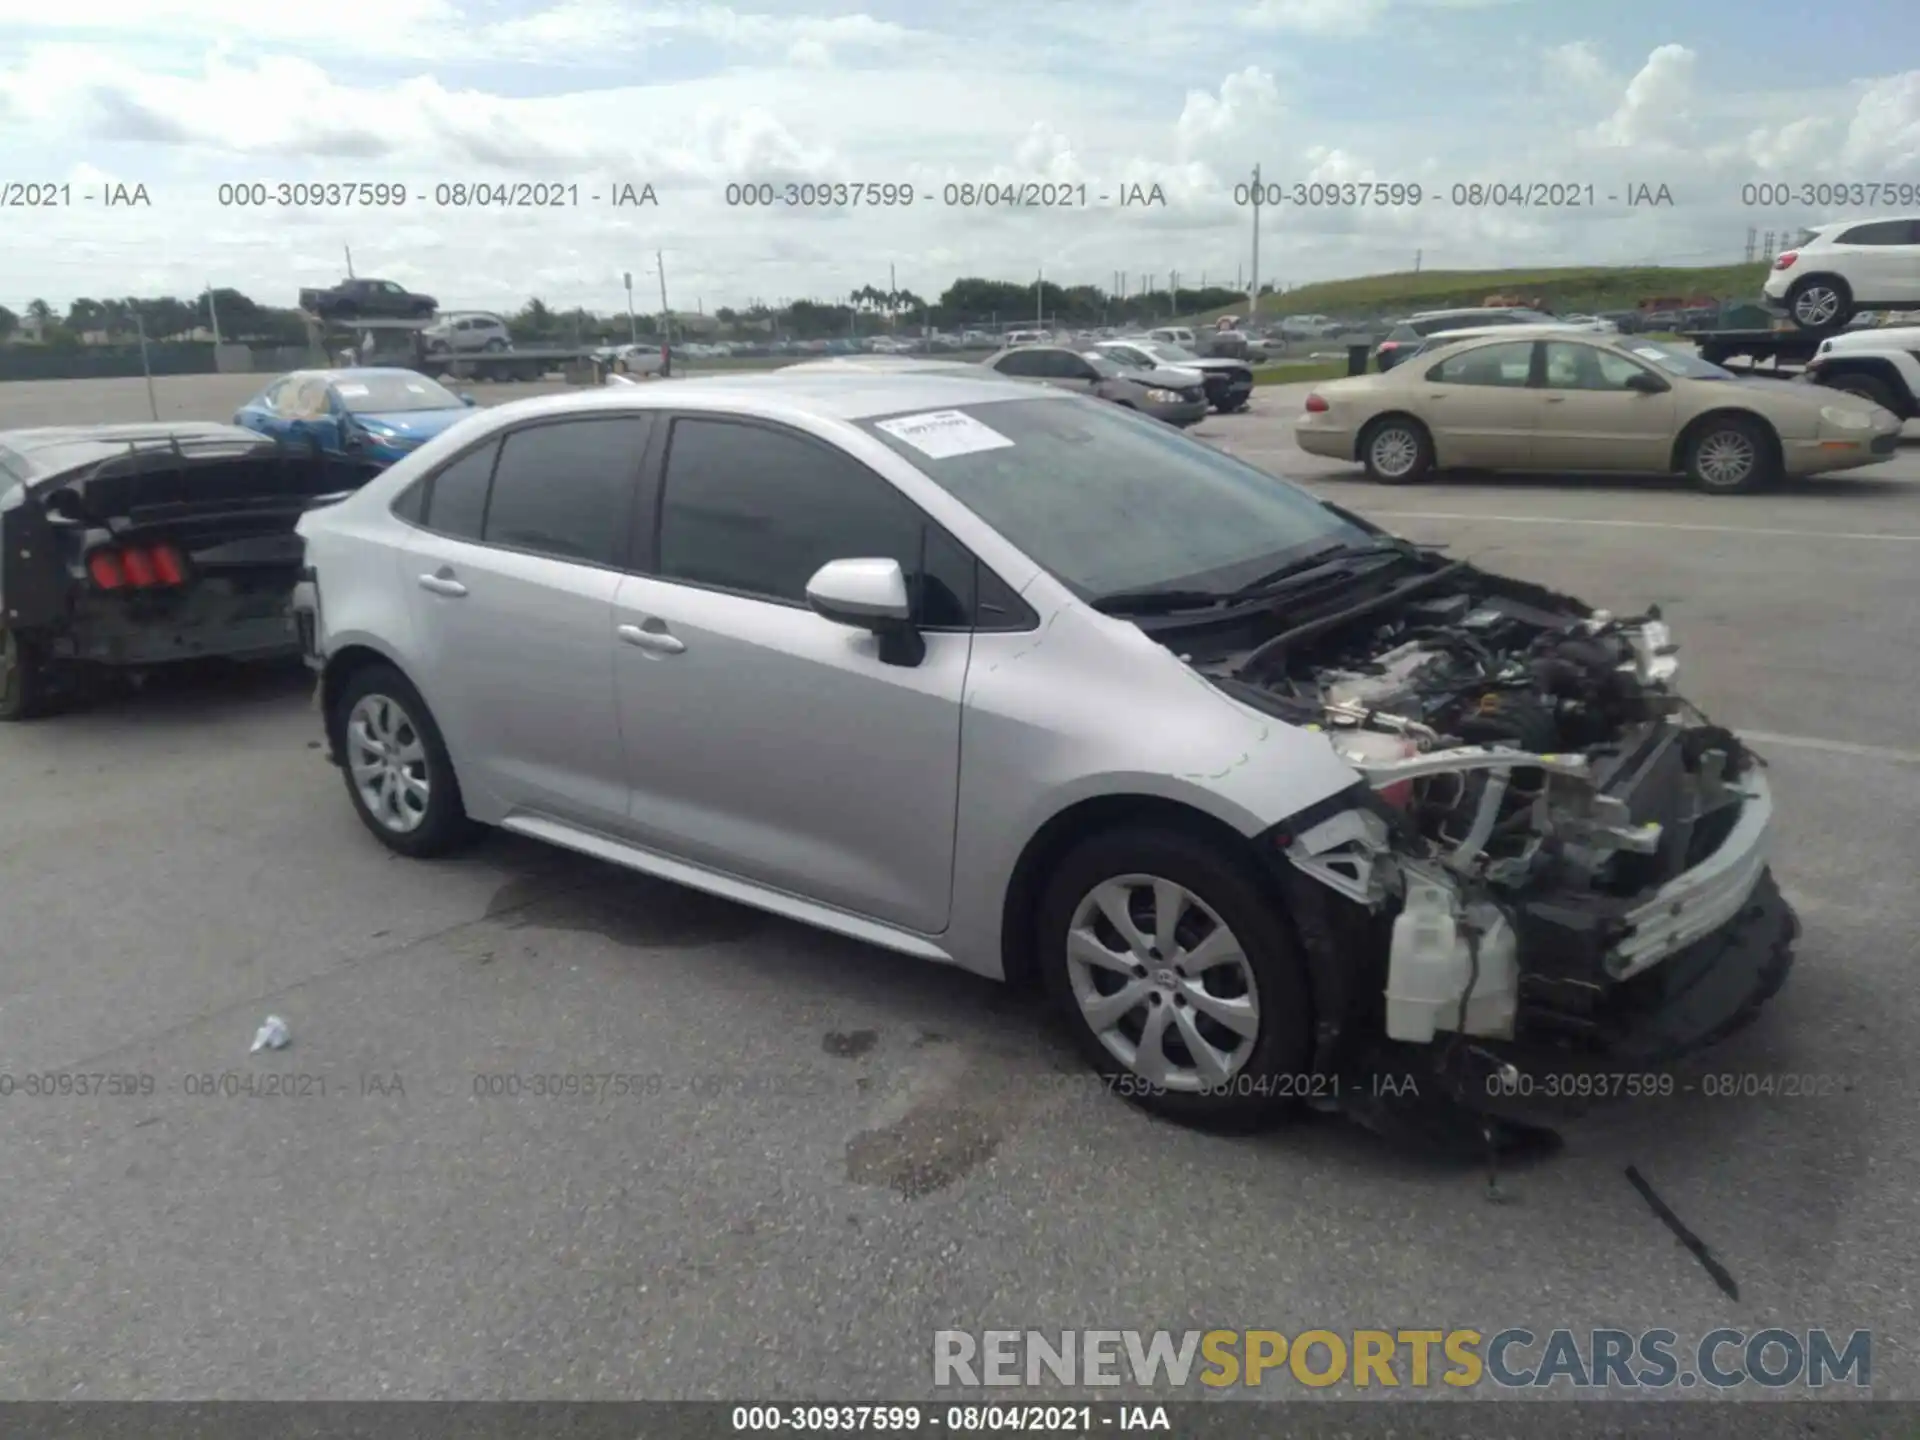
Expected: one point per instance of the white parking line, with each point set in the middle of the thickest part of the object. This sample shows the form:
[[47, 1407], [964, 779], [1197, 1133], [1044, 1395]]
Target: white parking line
[[1641, 525], [1831, 747]]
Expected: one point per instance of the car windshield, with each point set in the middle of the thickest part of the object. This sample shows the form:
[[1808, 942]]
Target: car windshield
[[1106, 367], [1675, 361], [1170, 353], [1109, 501], [385, 394]]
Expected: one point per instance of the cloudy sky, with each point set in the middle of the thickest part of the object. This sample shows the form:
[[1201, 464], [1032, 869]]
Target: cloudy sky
[[181, 96]]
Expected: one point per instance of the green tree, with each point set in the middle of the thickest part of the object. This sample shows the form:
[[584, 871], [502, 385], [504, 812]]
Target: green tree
[[9, 324]]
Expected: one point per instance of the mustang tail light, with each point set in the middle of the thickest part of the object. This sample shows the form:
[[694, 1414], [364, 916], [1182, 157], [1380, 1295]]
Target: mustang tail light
[[1784, 260], [137, 567]]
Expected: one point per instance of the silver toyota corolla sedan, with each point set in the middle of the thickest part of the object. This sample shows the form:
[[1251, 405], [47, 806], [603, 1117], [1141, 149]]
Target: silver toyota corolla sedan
[[1017, 680]]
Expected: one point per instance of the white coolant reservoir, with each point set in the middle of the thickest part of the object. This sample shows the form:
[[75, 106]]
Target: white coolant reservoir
[[1431, 964]]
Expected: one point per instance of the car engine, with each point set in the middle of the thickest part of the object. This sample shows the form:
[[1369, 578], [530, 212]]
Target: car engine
[[1488, 670], [1528, 769]]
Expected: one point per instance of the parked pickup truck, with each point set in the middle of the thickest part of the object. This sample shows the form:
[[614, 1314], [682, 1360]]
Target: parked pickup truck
[[368, 300]]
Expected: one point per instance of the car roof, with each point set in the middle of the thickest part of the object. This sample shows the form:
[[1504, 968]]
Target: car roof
[[49, 450], [1520, 332], [1833, 226], [829, 391]]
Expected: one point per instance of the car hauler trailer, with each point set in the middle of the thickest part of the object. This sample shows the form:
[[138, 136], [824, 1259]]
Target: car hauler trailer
[[403, 343]]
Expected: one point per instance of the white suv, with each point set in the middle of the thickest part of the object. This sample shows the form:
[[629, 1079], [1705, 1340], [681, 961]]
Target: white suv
[[1839, 270]]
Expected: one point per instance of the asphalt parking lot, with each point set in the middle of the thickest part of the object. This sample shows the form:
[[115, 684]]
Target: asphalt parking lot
[[828, 1153]]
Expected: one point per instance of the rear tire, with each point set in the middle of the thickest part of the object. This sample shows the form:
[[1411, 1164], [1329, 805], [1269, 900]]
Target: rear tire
[[397, 770], [1222, 973], [1397, 450], [24, 690], [1733, 456], [1819, 304]]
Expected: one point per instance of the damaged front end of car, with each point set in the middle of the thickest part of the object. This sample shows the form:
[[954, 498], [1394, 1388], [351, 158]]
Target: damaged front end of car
[[1554, 872]]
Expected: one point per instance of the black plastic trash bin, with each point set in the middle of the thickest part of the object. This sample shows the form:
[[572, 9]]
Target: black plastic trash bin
[[1357, 357]]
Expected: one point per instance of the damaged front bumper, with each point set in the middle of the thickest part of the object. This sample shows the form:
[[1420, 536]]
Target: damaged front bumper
[[1537, 985]]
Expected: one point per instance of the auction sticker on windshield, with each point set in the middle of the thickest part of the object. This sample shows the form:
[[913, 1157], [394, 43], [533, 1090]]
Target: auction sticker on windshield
[[352, 389], [941, 434]]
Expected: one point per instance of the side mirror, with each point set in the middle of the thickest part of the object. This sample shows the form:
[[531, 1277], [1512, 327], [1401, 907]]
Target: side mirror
[[869, 595], [63, 506], [468, 400], [1641, 383]]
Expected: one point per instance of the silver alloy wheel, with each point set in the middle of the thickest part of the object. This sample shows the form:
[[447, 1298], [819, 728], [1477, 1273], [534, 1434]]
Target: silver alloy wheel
[[1163, 982], [1816, 305], [1726, 459], [388, 761], [1394, 451]]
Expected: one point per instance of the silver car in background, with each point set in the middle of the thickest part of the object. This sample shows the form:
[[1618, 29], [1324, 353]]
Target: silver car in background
[[995, 676], [467, 332]]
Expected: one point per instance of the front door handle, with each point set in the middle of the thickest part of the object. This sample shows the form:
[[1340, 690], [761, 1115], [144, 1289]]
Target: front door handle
[[657, 641], [442, 582]]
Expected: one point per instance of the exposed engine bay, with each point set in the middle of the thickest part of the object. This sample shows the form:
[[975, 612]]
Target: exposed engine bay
[[1541, 821]]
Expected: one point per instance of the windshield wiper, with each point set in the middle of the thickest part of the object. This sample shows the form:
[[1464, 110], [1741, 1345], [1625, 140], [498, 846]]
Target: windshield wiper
[[1321, 565], [1321, 560]]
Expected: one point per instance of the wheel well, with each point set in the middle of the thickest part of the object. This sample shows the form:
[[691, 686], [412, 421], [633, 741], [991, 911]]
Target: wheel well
[[1052, 841], [1827, 275], [342, 667], [1870, 367], [1681, 442]]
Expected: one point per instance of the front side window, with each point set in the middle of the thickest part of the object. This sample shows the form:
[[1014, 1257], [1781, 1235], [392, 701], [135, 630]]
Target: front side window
[[757, 510], [1587, 367], [1496, 365], [566, 489]]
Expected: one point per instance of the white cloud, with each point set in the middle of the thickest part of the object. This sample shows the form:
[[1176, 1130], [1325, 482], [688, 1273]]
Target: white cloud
[[1118, 96], [1243, 113], [1656, 110], [1577, 66], [1316, 17]]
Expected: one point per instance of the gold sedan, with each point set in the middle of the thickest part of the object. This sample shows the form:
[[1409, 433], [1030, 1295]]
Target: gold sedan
[[1556, 400]]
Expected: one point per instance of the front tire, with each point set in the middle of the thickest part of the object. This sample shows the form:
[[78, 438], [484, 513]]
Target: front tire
[[1178, 977], [1397, 450], [1732, 456], [398, 774], [1819, 304]]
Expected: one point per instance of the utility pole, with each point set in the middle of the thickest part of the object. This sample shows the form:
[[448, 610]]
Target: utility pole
[[349, 250], [633, 323], [1040, 298], [666, 317], [1416, 260], [140, 325], [1253, 277], [213, 313], [1173, 294]]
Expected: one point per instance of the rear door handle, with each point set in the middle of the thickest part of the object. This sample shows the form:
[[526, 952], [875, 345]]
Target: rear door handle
[[657, 641], [443, 583]]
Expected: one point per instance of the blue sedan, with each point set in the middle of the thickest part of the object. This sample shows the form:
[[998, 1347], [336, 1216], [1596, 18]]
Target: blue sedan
[[371, 414]]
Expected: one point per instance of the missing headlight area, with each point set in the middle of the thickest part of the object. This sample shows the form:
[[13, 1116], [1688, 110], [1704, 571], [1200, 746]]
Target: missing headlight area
[[1552, 847]]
